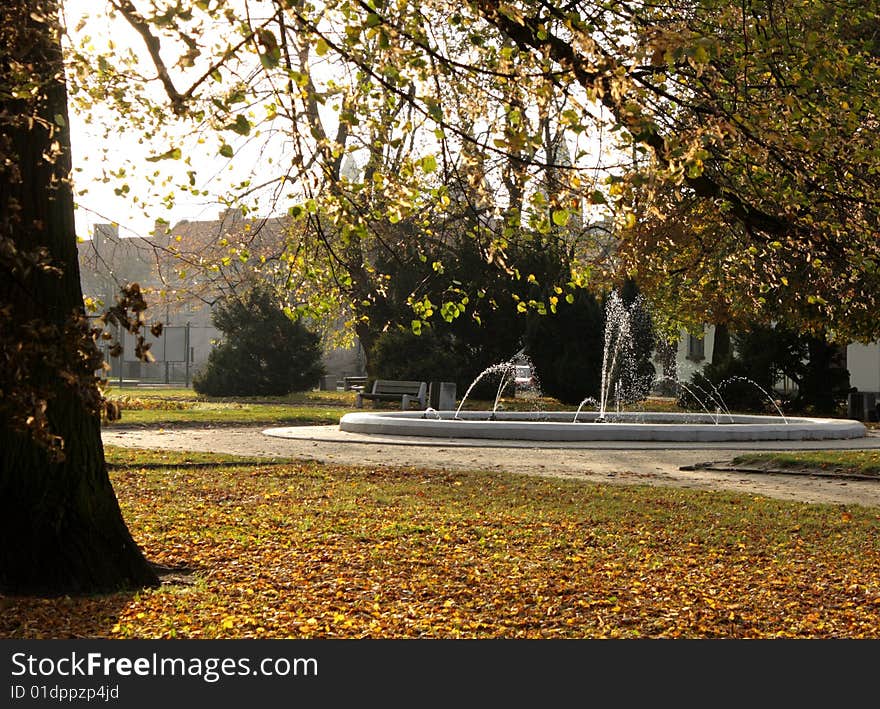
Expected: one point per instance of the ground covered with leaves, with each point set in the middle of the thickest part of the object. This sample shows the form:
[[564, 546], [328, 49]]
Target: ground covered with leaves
[[281, 549]]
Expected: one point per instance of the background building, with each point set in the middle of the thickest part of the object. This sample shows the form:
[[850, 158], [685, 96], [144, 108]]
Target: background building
[[177, 269]]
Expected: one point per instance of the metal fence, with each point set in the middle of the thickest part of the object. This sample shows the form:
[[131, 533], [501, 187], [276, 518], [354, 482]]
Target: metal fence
[[179, 354]]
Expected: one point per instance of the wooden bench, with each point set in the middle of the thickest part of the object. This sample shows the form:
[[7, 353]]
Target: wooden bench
[[406, 392]]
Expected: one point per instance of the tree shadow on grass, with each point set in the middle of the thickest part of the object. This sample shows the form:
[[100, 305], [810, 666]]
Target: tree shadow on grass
[[61, 618], [73, 617]]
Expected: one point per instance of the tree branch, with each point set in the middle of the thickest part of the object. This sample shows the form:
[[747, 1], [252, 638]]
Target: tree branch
[[142, 27], [527, 34]]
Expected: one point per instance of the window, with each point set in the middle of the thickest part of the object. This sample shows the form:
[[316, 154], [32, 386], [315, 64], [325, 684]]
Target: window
[[696, 348]]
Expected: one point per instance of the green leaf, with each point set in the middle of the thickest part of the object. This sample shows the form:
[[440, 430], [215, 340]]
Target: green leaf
[[226, 150], [353, 33], [173, 154], [271, 59], [560, 217], [429, 164], [435, 110], [242, 125]]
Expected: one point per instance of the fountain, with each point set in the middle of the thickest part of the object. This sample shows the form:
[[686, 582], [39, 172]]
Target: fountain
[[625, 426], [618, 341], [506, 370], [601, 425]]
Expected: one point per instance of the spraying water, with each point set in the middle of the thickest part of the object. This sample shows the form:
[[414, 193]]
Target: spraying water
[[504, 369], [618, 371], [588, 400], [507, 373], [757, 386], [618, 343], [693, 394]]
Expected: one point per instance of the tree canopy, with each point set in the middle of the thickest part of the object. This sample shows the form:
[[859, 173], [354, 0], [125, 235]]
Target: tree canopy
[[730, 146]]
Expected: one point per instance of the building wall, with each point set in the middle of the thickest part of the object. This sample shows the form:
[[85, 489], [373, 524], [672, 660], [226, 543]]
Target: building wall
[[863, 363], [108, 261], [693, 353]]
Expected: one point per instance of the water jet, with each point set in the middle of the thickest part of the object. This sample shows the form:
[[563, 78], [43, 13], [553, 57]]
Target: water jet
[[602, 424]]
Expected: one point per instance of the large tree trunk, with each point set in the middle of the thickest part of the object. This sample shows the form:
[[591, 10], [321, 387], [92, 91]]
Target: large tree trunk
[[61, 529]]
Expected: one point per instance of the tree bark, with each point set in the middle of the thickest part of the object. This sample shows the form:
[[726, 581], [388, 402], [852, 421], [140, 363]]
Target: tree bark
[[721, 347], [61, 528]]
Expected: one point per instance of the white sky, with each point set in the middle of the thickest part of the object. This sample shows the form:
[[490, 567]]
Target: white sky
[[94, 156]]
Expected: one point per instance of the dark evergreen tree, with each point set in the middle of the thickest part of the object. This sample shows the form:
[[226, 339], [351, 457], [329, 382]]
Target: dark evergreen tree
[[566, 348], [485, 330], [264, 352], [428, 356]]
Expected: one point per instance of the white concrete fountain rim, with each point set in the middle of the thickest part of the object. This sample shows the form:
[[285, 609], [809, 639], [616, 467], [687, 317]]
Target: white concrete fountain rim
[[629, 426]]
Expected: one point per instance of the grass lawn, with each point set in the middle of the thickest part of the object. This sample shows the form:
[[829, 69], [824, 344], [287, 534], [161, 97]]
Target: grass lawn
[[158, 406], [851, 462], [277, 549], [145, 406], [167, 406]]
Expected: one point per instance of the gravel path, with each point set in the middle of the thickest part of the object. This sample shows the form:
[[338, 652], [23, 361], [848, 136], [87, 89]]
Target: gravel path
[[609, 463]]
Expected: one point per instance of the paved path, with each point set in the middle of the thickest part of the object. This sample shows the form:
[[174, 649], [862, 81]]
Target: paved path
[[605, 462]]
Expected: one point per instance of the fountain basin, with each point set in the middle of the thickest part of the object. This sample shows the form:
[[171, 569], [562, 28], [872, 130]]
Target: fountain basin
[[629, 426]]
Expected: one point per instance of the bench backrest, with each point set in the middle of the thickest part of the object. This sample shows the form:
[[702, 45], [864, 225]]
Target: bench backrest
[[393, 386]]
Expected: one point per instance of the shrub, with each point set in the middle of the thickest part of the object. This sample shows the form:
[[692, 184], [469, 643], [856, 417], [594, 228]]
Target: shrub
[[401, 354], [763, 355], [264, 352]]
